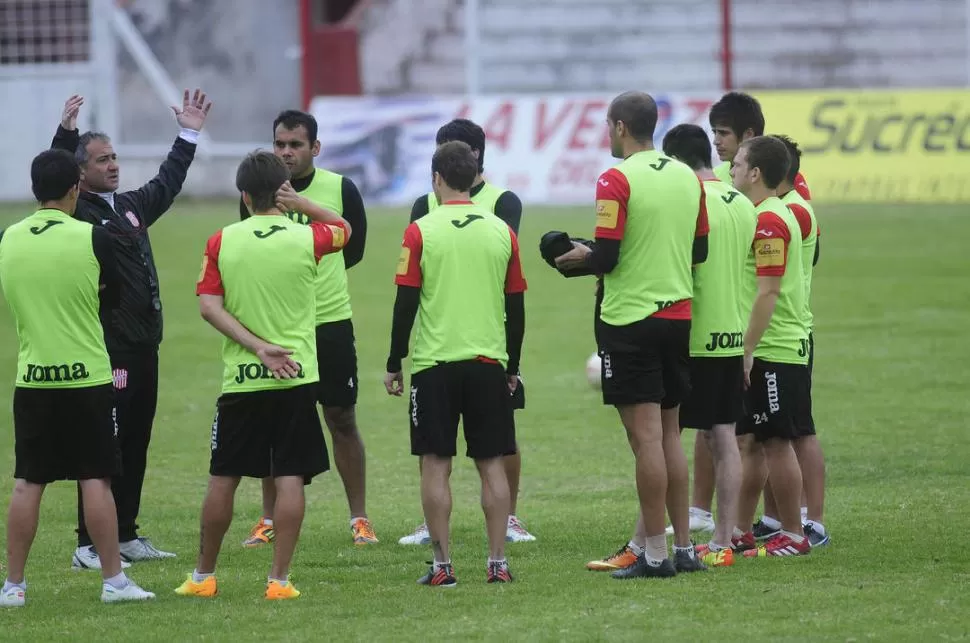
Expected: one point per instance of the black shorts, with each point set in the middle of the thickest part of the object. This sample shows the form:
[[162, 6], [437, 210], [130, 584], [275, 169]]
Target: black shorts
[[65, 434], [716, 390], [805, 421], [645, 362], [260, 434], [771, 403], [337, 361], [475, 392]]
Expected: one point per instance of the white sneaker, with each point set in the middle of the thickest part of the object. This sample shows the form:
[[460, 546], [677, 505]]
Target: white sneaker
[[420, 536], [141, 549], [13, 597], [130, 592], [517, 533], [700, 520], [87, 558]]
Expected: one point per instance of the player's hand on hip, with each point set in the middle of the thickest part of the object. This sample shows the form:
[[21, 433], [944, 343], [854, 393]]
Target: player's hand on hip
[[394, 383], [194, 110], [277, 359], [575, 258], [748, 365], [71, 109], [513, 381]]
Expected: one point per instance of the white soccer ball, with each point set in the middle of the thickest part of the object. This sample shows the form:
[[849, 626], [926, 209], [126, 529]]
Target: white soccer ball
[[594, 370]]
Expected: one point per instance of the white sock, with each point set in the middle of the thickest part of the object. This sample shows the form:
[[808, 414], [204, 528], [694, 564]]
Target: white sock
[[7, 585], [199, 578], [267, 521], [737, 533], [713, 546], [635, 548], [689, 549], [436, 565], [281, 581], [492, 560], [770, 522], [696, 511], [817, 526], [118, 582], [797, 538], [804, 514], [656, 550]]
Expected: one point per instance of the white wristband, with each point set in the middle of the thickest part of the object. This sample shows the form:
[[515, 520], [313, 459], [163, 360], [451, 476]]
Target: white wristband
[[189, 135]]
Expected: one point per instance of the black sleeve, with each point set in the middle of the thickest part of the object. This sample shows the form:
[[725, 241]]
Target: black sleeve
[[154, 198], [699, 253], [65, 139], [420, 208], [357, 218], [514, 329], [110, 278], [605, 256], [508, 208], [243, 210], [817, 251], [405, 310]]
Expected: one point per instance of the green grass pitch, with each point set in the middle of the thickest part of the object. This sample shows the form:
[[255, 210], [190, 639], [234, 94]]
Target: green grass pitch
[[892, 302]]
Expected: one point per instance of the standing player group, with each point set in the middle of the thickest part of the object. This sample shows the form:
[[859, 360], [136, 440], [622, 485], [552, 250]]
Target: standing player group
[[308, 222], [702, 302], [714, 334]]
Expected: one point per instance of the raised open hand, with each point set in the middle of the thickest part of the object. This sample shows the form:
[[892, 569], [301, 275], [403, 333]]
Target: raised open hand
[[194, 110], [71, 109]]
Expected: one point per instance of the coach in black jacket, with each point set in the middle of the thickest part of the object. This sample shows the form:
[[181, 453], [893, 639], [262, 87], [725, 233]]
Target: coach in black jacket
[[133, 331]]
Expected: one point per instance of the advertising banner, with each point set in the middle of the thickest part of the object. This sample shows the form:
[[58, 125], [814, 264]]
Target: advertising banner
[[878, 146], [548, 149]]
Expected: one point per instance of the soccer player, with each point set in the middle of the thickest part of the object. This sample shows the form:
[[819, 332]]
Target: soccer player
[[807, 447], [295, 143], [651, 226], [735, 118], [459, 273], [57, 273], [258, 276], [506, 206], [717, 329], [133, 331], [775, 349]]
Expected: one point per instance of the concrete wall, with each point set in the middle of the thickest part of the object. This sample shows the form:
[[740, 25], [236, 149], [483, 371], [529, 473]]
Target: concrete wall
[[244, 53], [675, 45]]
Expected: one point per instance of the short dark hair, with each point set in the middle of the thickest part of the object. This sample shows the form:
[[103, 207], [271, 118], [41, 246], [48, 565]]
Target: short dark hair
[[456, 164], [52, 175], [689, 144], [466, 131], [739, 112], [638, 111], [293, 118], [769, 155], [794, 156], [81, 152], [260, 175]]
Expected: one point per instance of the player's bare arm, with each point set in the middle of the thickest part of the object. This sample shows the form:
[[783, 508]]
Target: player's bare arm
[[275, 358], [764, 307], [289, 200]]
